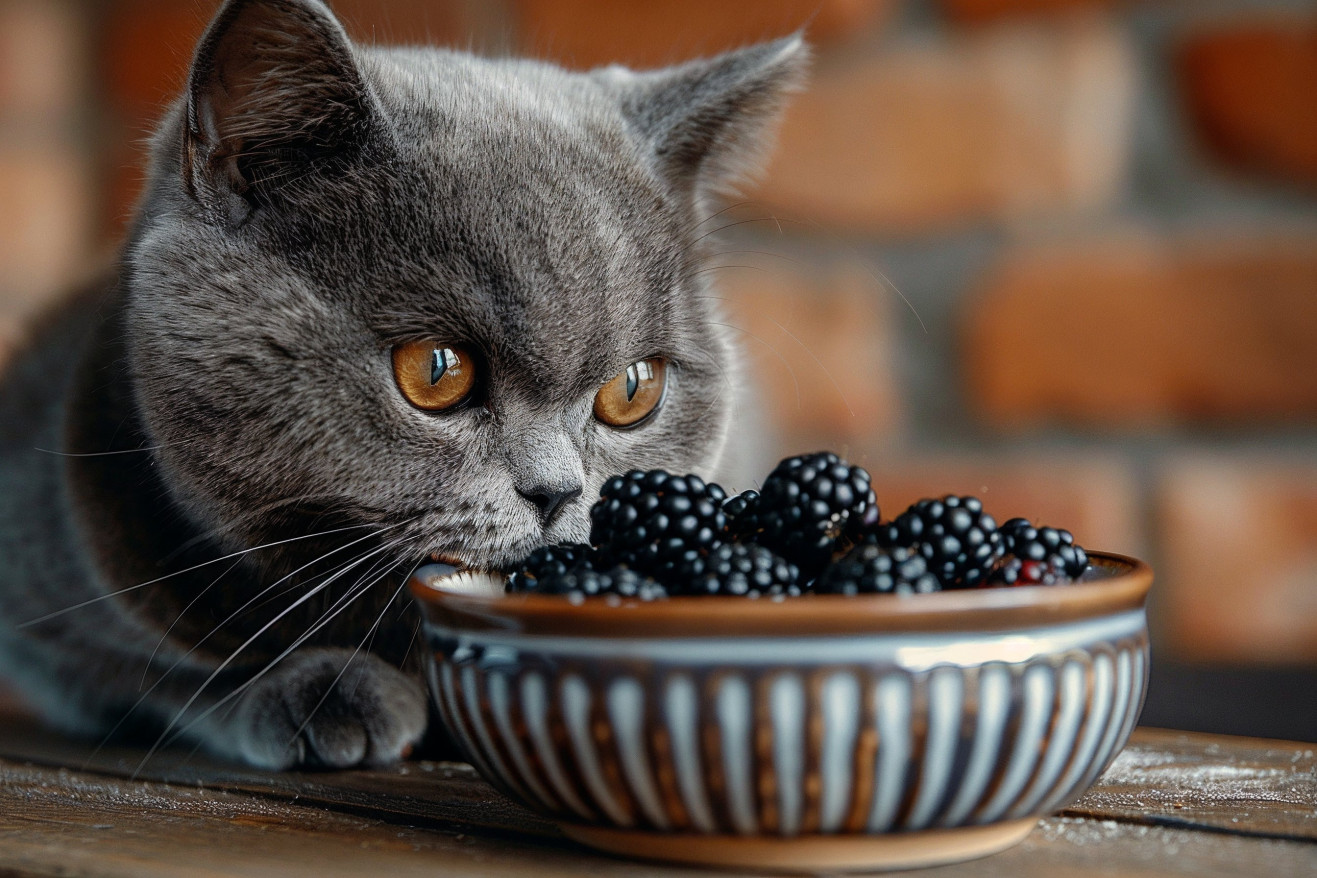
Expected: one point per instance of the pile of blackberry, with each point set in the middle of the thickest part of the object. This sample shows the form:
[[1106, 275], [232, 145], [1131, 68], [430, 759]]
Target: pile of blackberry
[[814, 526]]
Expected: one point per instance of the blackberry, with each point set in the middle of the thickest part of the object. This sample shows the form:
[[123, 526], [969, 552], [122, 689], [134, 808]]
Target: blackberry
[[735, 506], [873, 569], [954, 535], [654, 520], [742, 569], [548, 561], [805, 505], [583, 581], [1037, 555]]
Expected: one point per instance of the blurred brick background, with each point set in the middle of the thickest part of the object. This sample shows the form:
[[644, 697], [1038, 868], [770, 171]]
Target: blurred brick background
[[1058, 253]]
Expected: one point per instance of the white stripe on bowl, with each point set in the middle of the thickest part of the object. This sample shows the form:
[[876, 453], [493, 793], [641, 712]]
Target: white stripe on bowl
[[841, 716], [1036, 712], [736, 729], [1124, 692], [787, 708], [994, 704], [626, 709], [449, 689], [535, 707], [576, 714], [1129, 689], [471, 691], [497, 684], [892, 704], [681, 707], [945, 694], [1139, 681], [1061, 742], [1099, 717]]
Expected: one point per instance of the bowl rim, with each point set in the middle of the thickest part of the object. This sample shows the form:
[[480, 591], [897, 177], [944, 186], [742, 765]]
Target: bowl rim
[[1120, 584]]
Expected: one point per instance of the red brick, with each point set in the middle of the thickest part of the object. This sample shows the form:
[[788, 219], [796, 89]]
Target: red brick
[[977, 12], [1000, 124], [41, 68], [819, 353], [1239, 578], [586, 33], [43, 225], [1251, 91], [1096, 497], [1145, 331]]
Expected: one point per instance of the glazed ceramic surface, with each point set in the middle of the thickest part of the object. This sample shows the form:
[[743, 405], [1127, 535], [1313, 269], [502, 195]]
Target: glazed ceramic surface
[[844, 717]]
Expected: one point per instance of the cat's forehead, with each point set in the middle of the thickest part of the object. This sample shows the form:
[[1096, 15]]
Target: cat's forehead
[[529, 219]]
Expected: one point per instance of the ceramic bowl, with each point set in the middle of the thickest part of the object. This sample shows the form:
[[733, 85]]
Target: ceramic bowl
[[817, 732]]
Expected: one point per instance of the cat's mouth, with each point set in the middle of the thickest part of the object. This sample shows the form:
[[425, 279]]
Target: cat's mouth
[[458, 565]]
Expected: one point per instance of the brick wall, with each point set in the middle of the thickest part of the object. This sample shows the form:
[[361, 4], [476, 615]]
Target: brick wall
[[46, 180], [1058, 253]]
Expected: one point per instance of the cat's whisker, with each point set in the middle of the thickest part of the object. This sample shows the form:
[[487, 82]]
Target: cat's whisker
[[342, 600], [411, 644], [97, 453], [238, 520], [876, 274], [343, 567], [709, 268], [231, 698], [741, 251], [729, 208], [745, 222], [172, 731], [200, 641], [785, 362], [370, 643], [251, 603], [146, 669], [841, 393], [254, 604], [116, 593], [370, 636]]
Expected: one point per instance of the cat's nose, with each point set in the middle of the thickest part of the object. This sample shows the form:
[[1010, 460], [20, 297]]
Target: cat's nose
[[549, 501]]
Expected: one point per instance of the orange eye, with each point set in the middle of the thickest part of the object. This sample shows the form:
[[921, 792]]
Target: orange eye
[[433, 376], [633, 395]]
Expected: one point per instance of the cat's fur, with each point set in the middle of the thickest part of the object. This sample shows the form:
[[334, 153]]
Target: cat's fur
[[311, 204]]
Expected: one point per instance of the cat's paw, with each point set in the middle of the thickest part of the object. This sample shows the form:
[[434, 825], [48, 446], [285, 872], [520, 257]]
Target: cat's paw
[[326, 708]]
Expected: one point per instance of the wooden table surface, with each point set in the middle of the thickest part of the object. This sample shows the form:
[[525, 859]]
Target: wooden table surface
[[1172, 804]]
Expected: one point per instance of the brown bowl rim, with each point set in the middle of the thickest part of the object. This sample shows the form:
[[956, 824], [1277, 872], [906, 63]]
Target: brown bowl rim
[[1122, 584]]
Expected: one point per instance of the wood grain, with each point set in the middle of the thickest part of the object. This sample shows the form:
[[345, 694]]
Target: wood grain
[[1245, 786], [1172, 804]]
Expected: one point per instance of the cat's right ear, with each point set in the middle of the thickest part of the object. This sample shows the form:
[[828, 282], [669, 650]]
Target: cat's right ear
[[273, 97]]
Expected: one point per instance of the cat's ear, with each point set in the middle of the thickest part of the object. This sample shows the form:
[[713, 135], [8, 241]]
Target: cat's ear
[[273, 95], [709, 122]]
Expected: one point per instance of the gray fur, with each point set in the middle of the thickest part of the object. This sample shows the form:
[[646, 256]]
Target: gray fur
[[311, 204]]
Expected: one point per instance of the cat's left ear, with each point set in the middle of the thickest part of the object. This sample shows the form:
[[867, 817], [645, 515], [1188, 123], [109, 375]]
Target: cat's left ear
[[274, 94], [709, 122]]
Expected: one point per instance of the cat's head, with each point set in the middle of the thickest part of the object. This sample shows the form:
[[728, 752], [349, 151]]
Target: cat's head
[[412, 288]]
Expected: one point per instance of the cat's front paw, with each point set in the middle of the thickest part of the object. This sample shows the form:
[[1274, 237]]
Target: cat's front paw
[[327, 708]]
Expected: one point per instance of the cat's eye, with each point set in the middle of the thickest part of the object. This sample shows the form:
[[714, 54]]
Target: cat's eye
[[434, 377], [633, 395]]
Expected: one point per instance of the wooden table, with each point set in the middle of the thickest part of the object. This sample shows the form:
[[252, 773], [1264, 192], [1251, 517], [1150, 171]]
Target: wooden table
[[1172, 804]]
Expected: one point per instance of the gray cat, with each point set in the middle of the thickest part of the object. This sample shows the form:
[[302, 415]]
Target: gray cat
[[376, 305]]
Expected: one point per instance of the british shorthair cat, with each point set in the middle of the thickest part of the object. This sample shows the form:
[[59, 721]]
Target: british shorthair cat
[[376, 305]]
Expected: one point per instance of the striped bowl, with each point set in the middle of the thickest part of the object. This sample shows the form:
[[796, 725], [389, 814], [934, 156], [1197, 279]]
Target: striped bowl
[[819, 732]]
